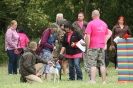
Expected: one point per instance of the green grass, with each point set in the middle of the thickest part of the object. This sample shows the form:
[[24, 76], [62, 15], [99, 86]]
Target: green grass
[[12, 81]]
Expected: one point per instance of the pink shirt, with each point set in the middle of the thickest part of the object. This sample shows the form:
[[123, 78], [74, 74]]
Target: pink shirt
[[11, 39], [97, 29], [23, 40], [80, 24], [69, 37], [79, 55]]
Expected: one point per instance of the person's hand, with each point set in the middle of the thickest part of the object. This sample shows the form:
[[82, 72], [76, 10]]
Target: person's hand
[[105, 48], [73, 44], [38, 75], [61, 56], [83, 44], [16, 51], [54, 48], [126, 36]]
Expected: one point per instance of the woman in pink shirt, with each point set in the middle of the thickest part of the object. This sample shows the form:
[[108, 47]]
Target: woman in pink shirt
[[23, 39], [11, 45]]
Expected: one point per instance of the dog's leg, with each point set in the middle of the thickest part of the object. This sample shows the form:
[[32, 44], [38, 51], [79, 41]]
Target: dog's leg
[[54, 75], [58, 78], [60, 73], [48, 76]]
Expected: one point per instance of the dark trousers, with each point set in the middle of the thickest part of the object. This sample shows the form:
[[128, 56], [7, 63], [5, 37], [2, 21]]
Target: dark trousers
[[12, 64], [74, 69]]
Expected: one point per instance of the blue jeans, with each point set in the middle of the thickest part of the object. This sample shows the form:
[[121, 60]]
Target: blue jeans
[[46, 55], [12, 64], [74, 68]]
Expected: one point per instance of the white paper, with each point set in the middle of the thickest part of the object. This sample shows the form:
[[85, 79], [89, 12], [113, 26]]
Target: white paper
[[116, 39], [81, 47]]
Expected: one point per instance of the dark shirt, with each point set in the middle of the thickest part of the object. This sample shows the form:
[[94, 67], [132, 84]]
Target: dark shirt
[[75, 37], [28, 61], [117, 31], [78, 28]]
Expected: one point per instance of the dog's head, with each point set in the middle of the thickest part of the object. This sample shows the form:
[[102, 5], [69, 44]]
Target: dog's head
[[51, 64]]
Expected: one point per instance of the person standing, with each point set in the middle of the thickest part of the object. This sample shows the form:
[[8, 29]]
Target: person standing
[[64, 62], [47, 45], [80, 24], [73, 53], [23, 40], [95, 39], [120, 29], [11, 46]]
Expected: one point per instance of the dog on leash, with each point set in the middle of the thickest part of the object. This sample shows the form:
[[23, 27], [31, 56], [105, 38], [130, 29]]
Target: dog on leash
[[53, 72]]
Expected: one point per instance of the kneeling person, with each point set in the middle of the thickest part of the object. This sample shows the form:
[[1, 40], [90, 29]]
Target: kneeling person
[[31, 66]]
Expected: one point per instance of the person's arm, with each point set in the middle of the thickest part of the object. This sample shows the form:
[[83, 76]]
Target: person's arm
[[109, 34], [63, 45], [9, 35], [87, 40], [39, 60], [44, 39], [77, 38], [26, 40], [62, 50], [75, 26], [113, 35], [28, 64], [87, 34], [129, 31]]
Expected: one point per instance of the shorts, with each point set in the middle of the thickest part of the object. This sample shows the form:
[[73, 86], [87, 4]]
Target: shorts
[[95, 57]]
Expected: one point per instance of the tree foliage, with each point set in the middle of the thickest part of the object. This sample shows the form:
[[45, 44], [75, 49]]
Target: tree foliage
[[33, 15]]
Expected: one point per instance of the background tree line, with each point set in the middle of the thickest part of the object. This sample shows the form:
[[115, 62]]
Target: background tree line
[[33, 15]]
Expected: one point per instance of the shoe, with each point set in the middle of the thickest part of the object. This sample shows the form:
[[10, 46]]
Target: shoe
[[104, 82], [92, 82], [23, 79]]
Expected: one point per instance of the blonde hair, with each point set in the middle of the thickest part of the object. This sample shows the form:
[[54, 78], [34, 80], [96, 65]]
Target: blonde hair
[[95, 13], [12, 23], [32, 45], [59, 15]]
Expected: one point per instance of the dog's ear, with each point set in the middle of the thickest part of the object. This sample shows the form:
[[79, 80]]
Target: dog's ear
[[54, 66]]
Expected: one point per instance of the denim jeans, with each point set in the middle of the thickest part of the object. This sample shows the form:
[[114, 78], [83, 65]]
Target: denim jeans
[[12, 64], [46, 55], [74, 69]]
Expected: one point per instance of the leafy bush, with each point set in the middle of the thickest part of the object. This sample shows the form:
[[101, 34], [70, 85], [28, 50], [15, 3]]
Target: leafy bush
[[3, 55]]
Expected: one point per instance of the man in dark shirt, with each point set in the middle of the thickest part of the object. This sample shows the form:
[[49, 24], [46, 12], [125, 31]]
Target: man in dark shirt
[[31, 66]]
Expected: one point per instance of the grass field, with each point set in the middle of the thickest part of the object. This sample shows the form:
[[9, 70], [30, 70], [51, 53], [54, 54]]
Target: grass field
[[12, 81]]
